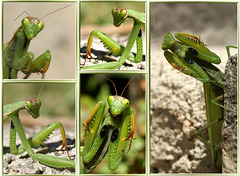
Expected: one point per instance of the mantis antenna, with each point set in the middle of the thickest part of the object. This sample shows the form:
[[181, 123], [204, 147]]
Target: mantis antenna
[[158, 30], [21, 14], [44, 15], [127, 85], [54, 11], [113, 84], [40, 91]]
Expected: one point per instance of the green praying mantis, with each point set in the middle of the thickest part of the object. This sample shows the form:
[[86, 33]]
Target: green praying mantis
[[32, 106], [120, 14], [108, 132], [15, 52], [190, 56]]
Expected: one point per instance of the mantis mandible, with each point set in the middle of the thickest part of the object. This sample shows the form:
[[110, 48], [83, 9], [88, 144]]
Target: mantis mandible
[[32, 106], [120, 14], [108, 132], [190, 56], [15, 52]]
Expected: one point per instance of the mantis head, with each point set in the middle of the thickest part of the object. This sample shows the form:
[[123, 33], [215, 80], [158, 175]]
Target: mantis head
[[32, 26], [33, 106], [168, 41], [119, 15], [117, 104]]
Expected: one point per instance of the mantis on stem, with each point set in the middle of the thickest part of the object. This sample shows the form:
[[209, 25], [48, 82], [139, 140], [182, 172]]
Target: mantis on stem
[[120, 14], [32, 106], [15, 52], [109, 132], [189, 55]]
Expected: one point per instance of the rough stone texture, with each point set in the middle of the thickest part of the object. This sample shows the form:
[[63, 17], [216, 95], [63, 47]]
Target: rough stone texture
[[229, 128], [177, 111], [23, 164]]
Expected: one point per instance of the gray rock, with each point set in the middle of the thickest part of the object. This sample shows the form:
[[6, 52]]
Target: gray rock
[[229, 128]]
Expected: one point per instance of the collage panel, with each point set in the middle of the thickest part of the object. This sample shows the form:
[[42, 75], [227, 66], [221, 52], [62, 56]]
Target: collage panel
[[39, 40], [113, 36], [43, 117], [78, 89], [113, 123], [185, 83]]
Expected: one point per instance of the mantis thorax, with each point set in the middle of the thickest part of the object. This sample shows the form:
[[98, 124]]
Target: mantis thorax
[[32, 26], [117, 104], [33, 106]]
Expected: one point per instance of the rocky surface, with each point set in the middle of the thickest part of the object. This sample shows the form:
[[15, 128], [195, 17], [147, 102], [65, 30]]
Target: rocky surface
[[177, 111], [23, 164], [229, 128]]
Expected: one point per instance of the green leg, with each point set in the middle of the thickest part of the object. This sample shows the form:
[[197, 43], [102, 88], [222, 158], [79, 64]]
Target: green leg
[[38, 138], [189, 68], [96, 138], [135, 34], [228, 50], [39, 65], [218, 104], [117, 49], [206, 127], [119, 142], [45, 159], [23, 63]]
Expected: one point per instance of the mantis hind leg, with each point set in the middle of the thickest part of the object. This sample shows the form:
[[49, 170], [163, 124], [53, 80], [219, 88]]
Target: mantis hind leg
[[228, 49], [216, 150], [214, 101], [206, 127]]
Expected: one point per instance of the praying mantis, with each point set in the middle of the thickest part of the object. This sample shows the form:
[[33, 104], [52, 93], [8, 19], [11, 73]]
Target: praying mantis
[[16, 57], [108, 134], [32, 106], [120, 14], [190, 56]]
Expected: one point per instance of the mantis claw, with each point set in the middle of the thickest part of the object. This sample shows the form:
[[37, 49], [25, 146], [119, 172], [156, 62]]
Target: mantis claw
[[65, 146]]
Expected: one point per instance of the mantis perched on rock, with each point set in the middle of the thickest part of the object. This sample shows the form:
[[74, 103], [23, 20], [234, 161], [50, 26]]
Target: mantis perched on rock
[[120, 14], [190, 56], [15, 52], [32, 106], [108, 132]]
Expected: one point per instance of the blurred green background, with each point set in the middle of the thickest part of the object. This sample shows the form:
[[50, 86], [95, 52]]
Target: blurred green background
[[57, 100], [96, 87], [99, 13]]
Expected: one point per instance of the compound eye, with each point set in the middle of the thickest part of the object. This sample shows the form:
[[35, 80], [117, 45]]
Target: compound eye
[[125, 103], [110, 99], [40, 26], [25, 22]]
